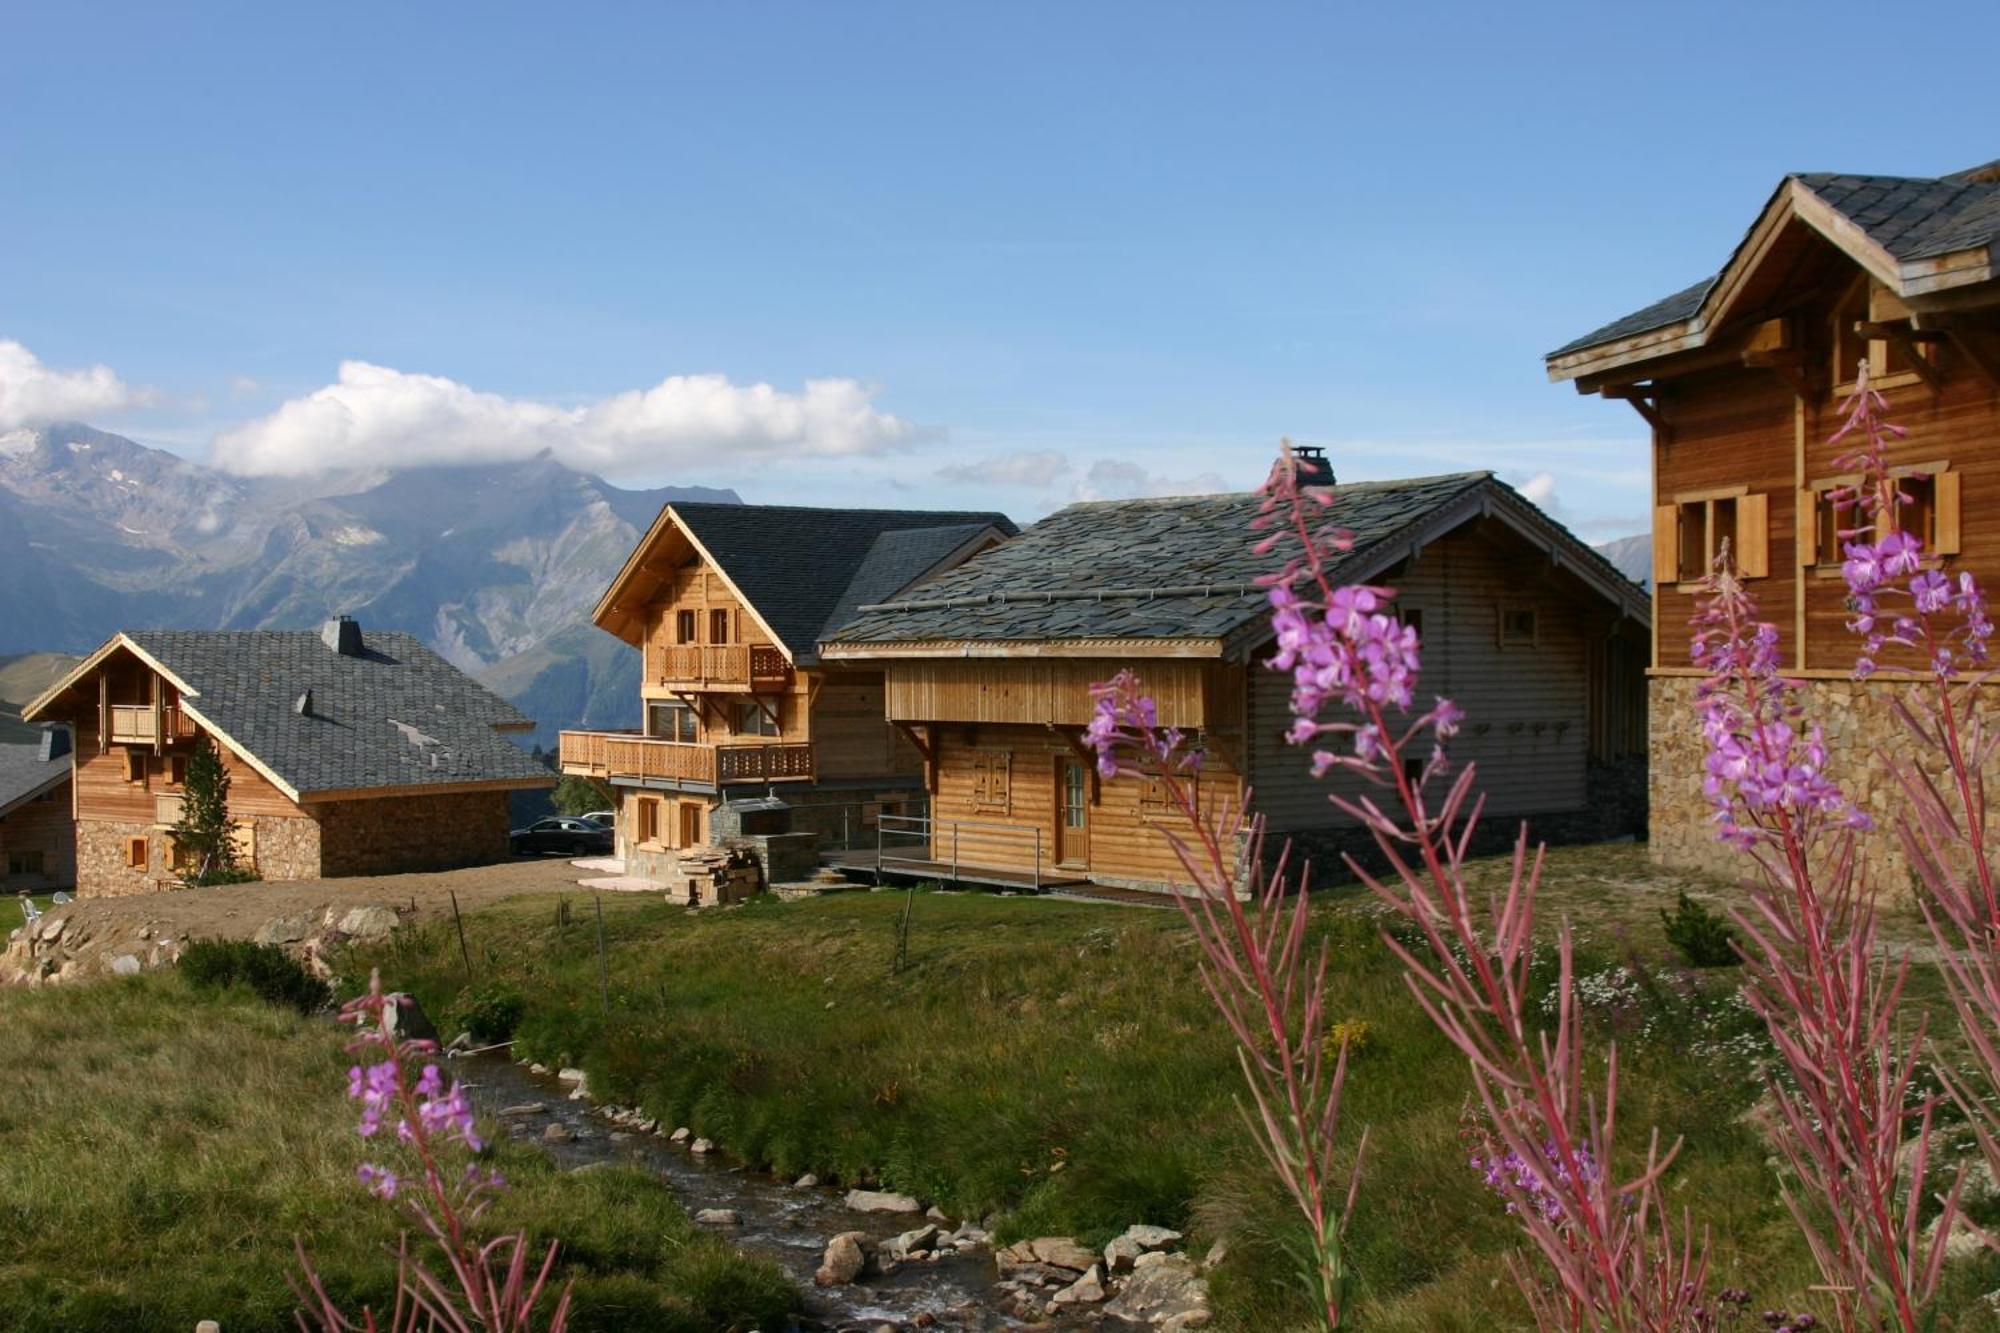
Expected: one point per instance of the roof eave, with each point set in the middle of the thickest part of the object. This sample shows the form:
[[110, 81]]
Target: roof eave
[[904, 650], [54, 781]]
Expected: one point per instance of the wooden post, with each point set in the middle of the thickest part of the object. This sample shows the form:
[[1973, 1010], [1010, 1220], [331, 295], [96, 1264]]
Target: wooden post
[[603, 968], [464, 954], [903, 931]]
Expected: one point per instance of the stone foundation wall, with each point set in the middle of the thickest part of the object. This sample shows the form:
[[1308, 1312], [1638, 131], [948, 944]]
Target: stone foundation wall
[[287, 847], [101, 871], [1860, 725], [399, 834]]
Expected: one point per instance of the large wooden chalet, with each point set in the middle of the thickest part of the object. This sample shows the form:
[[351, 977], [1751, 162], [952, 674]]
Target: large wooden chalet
[[989, 671], [347, 756], [1741, 377], [745, 728]]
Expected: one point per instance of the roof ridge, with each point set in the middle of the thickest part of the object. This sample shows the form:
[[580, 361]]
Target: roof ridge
[[680, 505], [1346, 487]]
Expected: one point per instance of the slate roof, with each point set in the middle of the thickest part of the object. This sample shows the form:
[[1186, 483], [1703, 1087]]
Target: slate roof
[[1911, 217], [1180, 568], [796, 565], [24, 774], [398, 715]]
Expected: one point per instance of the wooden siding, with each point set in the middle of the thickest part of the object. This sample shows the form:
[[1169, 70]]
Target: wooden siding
[[1055, 690], [1126, 841], [1529, 705], [849, 733]]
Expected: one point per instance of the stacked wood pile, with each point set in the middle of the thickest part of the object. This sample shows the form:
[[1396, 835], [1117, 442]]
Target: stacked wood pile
[[716, 875]]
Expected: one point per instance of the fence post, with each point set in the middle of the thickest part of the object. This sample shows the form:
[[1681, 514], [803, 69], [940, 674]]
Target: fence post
[[1038, 858], [464, 954], [603, 968], [954, 851]]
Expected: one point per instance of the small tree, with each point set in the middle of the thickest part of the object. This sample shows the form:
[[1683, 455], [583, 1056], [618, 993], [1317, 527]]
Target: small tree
[[203, 829], [579, 796]]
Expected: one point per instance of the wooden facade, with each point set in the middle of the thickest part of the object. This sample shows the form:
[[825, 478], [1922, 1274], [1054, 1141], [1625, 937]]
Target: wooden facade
[[1550, 670], [1742, 382]]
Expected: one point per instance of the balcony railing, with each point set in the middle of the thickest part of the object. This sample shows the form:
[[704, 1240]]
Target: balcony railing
[[738, 667], [132, 724], [625, 755]]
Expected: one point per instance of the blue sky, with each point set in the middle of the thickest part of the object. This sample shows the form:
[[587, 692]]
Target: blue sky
[[1027, 253]]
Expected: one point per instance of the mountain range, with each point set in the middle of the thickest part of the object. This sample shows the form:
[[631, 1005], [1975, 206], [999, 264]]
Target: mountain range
[[1633, 555], [496, 566]]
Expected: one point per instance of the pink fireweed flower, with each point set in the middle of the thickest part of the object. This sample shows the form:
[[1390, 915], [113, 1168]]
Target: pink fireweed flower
[[380, 1180], [1125, 722]]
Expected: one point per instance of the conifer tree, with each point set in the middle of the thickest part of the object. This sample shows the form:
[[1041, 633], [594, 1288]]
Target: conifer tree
[[203, 828]]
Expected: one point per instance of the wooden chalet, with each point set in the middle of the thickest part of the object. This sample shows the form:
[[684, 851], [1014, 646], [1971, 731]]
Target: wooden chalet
[[37, 838], [1740, 378], [347, 756], [746, 730], [989, 671]]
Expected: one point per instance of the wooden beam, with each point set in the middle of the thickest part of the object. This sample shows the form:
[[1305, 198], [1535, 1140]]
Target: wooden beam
[[925, 744], [1789, 364], [1977, 340], [1900, 333], [1646, 402]]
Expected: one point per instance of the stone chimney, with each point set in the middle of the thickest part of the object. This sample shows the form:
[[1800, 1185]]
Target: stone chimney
[[55, 743], [343, 635]]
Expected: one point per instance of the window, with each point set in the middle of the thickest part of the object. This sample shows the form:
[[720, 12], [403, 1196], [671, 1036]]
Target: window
[[718, 626], [1827, 518], [752, 719], [135, 854], [24, 863], [1520, 627], [690, 830], [1076, 793], [683, 627], [135, 766], [1916, 514], [992, 780], [180, 857], [673, 722], [1690, 533], [648, 819], [1931, 498], [1154, 798], [177, 770]]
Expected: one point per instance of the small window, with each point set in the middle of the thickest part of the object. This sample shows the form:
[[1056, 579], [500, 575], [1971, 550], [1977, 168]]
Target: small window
[[992, 780], [690, 821], [718, 627], [24, 863], [1076, 794], [673, 722], [648, 819], [135, 766], [1520, 626], [177, 770], [752, 719], [1827, 520], [135, 854], [1917, 513], [1693, 561], [683, 627]]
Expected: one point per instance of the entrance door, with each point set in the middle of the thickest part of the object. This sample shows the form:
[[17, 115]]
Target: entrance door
[[1072, 813]]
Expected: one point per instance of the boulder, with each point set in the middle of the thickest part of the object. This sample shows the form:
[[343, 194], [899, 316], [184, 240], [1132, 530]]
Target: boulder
[[681, 1135], [1962, 1243], [881, 1201], [844, 1259], [1086, 1290], [1062, 1252], [1163, 1288], [808, 1181], [937, 1215], [719, 1217], [912, 1243], [369, 922], [571, 1074], [407, 1019], [521, 1108], [1153, 1238], [284, 929], [1121, 1254], [1218, 1254], [125, 965], [700, 1146], [558, 1133]]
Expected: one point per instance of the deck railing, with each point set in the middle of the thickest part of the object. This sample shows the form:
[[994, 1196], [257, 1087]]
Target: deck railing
[[919, 845], [630, 756], [717, 666], [132, 724]]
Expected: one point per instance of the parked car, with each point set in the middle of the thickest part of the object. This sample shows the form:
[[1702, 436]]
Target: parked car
[[561, 833], [608, 818]]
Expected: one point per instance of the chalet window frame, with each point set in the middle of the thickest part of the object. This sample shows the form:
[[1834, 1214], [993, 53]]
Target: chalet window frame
[[718, 625], [686, 725], [1745, 522], [138, 854], [1946, 511], [177, 771], [646, 820], [1504, 634], [25, 861], [755, 718], [135, 767], [685, 626], [992, 780]]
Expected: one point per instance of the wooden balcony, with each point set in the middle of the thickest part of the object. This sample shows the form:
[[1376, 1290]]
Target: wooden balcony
[[740, 668], [625, 756], [133, 724]]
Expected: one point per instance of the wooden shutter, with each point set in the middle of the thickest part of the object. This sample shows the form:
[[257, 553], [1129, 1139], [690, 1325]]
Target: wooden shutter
[[1947, 499], [1666, 544], [1808, 528], [1753, 536]]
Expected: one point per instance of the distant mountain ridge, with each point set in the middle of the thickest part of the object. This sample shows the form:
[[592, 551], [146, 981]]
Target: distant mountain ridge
[[496, 566], [1633, 555]]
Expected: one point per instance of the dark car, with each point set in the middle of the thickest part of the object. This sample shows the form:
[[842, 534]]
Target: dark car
[[561, 833]]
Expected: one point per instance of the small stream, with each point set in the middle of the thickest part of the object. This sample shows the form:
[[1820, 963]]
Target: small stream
[[780, 1222]]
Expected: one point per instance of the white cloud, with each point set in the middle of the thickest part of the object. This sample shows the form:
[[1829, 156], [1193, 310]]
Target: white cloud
[[374, 415], [32, 393], [1117, 479], [1030, 468], [1540, 490]]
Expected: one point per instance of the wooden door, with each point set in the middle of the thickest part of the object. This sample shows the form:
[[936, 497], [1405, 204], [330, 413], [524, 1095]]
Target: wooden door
[[1072, 813], [690, 824]]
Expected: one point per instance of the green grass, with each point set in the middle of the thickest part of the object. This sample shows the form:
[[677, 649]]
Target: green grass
[[1057, 1063], [160, 1148]]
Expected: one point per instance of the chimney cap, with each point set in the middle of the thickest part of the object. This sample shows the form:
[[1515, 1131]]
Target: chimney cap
[[343, 635], [54, 743], [1312, 466]]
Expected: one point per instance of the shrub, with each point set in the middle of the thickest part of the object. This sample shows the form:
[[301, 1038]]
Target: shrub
[[1701, 937], [274, 975], [490, 1013]]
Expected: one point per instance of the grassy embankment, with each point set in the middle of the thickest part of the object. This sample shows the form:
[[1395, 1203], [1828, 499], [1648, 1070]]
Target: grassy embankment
[[160, 1148], [1056, 1062]]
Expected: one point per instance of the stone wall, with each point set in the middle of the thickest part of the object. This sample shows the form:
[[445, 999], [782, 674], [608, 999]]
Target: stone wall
[[101, 871], [1860, 725], [285, 848], [398, 834]]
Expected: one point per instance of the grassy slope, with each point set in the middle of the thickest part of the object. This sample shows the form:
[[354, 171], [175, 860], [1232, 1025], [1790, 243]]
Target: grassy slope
[[159, 1149], [1058, 1062]]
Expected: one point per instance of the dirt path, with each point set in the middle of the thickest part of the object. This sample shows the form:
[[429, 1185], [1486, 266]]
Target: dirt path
[[95, 936]]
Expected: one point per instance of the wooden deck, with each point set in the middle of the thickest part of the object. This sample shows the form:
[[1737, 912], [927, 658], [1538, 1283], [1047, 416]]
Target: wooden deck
[[905, 867]]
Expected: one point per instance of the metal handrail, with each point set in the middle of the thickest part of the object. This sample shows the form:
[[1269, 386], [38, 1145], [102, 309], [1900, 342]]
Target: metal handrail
[[927, 829]]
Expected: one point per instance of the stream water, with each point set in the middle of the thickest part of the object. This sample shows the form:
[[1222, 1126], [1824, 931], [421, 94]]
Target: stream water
[[779, 1222]]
